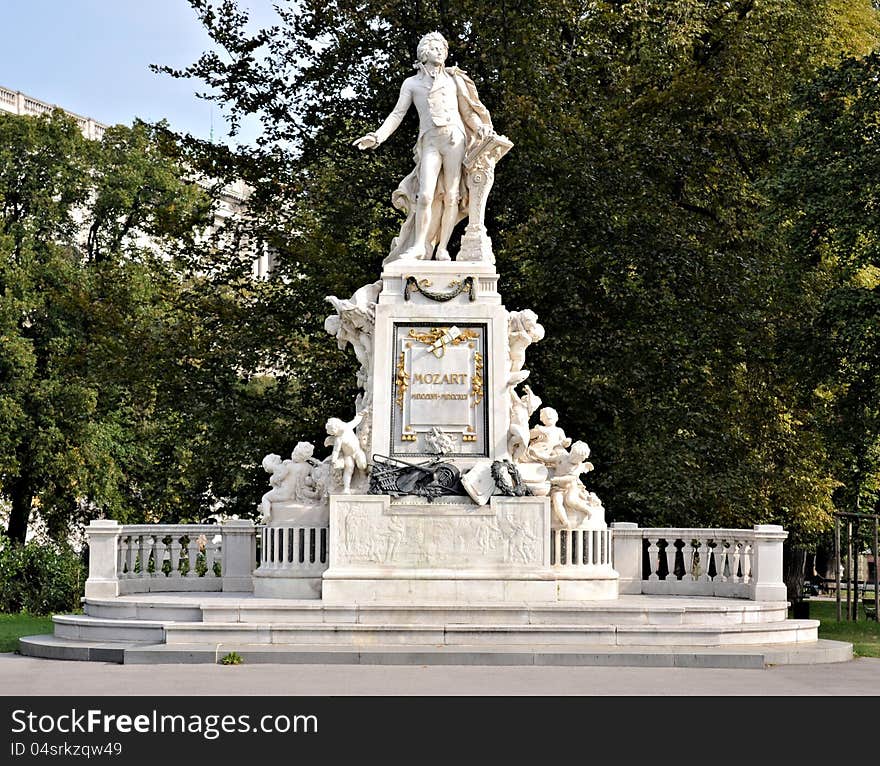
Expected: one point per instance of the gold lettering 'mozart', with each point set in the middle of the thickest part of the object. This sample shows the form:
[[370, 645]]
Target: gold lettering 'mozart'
[[441, 378]]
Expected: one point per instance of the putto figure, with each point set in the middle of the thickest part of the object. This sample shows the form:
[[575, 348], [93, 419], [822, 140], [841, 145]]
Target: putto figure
[[451, 118], [347, 453]]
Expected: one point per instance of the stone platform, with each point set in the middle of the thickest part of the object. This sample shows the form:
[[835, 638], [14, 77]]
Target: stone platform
[[658, 631]]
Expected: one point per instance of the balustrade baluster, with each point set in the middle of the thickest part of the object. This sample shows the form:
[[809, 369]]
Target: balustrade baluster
[[131, 555], [145, 548], [747, 561], [705, 553], [158, 555], [121, 551], [210, 556], [653, 558], [733, 557], [669, 556], [557, 549], [721, 563], [192, 549], [298, 541], [691, 560], [175, 549]]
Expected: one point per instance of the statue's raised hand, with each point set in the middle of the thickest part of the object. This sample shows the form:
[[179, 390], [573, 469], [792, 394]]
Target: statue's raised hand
[[368, 141]]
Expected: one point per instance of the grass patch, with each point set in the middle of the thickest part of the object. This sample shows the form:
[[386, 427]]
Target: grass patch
[[14, 626], [864, 635]]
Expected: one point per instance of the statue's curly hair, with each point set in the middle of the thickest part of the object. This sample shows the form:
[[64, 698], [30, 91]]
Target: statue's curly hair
[[430, 37]]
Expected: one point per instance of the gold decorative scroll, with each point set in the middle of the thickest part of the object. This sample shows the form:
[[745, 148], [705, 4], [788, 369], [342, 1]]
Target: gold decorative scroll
[[477, 379], [436, 334], [402, 379]]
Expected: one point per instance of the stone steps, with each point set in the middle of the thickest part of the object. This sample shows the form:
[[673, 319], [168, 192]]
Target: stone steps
[[583, 655], [266, 611], [152, 610], [88, 628], [358, 635]]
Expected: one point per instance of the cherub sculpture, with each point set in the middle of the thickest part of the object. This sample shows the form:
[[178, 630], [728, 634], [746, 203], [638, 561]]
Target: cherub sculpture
[[279, 471], [291, 480], [523, 330], [347, 453], [571, 503], [521, 409], [547, 442], [353, 323]]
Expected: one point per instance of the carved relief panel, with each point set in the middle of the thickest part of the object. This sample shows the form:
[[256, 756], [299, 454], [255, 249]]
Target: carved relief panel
[[514, 536]]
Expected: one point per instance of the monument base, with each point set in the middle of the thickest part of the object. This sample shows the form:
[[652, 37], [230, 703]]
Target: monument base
[[384, 552], [435, 587], [285, 585]]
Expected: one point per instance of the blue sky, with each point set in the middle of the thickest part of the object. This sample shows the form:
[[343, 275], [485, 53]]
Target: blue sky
[[92, 57]]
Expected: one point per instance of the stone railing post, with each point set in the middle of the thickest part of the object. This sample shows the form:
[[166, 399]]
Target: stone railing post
[[239, 555], [103, 538], [626, 541], [767, 582]]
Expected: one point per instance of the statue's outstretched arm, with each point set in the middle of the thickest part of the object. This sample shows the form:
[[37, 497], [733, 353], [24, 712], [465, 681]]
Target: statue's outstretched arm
[[392, 121]]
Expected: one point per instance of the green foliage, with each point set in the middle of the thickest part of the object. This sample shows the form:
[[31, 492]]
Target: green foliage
[[690, 207], [833, 237], [39, 577], [135, 344], [638, 214], [233, 658]]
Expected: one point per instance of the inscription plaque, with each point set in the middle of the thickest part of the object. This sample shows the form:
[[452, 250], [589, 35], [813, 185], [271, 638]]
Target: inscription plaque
[[439, 381]]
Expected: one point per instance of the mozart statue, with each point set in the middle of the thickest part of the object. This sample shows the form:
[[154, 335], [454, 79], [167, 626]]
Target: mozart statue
[[454, 127]]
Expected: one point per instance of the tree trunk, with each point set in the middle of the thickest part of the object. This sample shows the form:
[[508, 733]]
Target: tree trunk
[[794, 566], [22, 500]]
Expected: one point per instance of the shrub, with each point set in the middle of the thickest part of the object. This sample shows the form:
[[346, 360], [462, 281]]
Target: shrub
[[39, 577]]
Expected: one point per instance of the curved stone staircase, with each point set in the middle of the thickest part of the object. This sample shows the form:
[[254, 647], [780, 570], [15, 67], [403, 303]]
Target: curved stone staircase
[[634, 630]]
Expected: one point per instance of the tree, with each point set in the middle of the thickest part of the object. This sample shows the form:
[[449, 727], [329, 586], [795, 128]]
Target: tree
[[828, 191], [648, 137], [84, 320]]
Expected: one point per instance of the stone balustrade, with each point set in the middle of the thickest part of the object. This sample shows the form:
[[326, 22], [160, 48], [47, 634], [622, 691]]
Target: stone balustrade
[[301, 550], [732, 563], [293, 559], [139, 558], [580, 547]]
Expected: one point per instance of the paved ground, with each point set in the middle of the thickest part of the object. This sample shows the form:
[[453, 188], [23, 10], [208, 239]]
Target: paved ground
[[24, 676]]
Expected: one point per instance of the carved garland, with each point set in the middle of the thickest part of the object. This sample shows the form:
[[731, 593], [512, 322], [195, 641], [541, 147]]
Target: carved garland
[[402, 379], [477, 380], [421, 286]]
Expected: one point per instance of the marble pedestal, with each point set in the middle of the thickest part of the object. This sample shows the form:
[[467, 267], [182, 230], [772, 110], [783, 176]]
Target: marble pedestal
[[451, 552]]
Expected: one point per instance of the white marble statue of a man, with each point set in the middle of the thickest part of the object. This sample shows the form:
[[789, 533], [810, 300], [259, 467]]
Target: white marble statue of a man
[[451, 116]]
